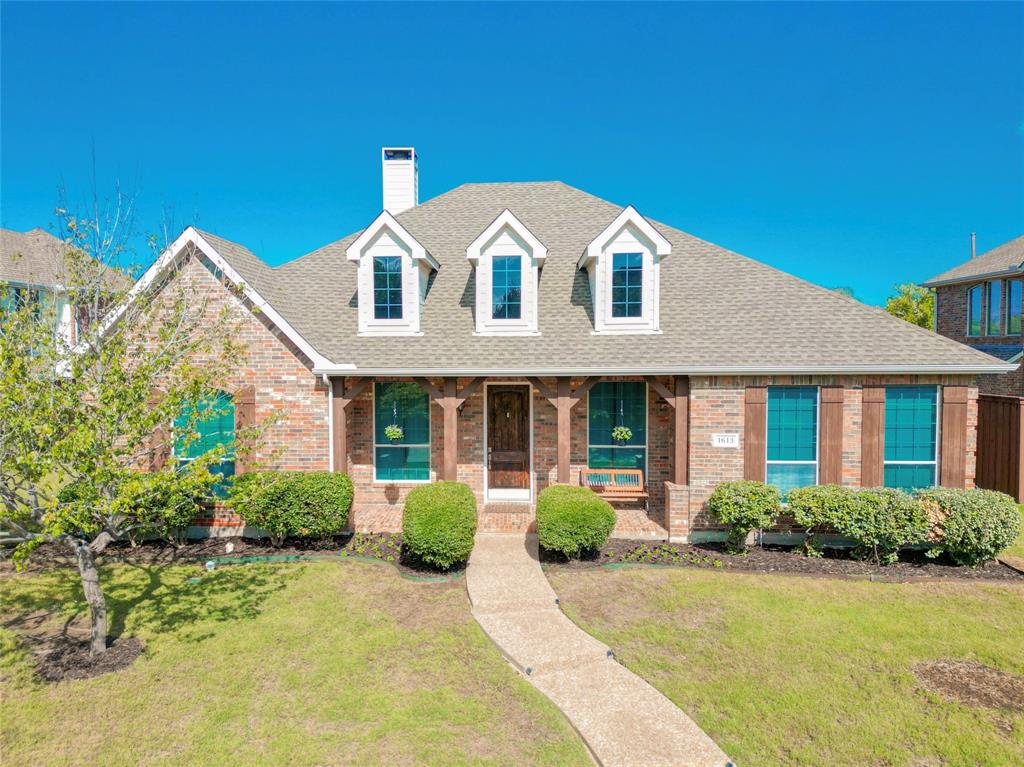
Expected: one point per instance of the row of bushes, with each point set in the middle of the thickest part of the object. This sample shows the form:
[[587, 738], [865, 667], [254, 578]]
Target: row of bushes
[[437, 527], [970, 526]]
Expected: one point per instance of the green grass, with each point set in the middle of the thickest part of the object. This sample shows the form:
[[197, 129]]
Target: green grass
[[308, 664], [800, 671]]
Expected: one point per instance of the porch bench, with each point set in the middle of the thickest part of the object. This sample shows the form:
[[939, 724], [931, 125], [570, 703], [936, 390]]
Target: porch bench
[[616, 484]]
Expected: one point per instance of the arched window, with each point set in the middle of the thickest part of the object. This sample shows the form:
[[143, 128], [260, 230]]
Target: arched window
[[207, 425]]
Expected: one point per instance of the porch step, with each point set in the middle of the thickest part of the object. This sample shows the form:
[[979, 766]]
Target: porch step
[[507, 518]]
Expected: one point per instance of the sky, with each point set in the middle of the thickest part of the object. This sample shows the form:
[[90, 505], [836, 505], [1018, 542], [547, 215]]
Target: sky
[[853, 145]]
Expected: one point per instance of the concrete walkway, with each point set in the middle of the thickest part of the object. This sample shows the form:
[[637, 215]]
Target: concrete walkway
[[623, 720]]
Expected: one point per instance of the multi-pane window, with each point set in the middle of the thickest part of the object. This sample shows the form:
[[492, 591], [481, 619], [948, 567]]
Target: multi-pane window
[[627, 284], [1013, 306], [974, 301], [387, 287], [401, 432], [612, 404], [792, 437], [16, 298], [994, 291], [911, 418], [208, 425], [506, 287]]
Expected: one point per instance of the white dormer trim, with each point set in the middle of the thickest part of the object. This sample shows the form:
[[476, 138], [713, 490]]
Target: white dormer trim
[[507, 236], [630, 232], [386, 237]]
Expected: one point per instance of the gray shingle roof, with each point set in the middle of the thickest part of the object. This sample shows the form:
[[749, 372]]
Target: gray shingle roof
[[36, 257], [720, 311], [1008, 257]]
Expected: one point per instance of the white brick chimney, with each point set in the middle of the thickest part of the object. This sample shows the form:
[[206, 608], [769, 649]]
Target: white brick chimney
[[401, 179]]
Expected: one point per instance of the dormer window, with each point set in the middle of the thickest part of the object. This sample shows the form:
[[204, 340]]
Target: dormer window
[[507, 258], [627, 284], [394, 270], [387, 287], [624, 267]]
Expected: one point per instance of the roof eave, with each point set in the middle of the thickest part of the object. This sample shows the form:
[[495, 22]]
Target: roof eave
[[938, 283], [709, 370]]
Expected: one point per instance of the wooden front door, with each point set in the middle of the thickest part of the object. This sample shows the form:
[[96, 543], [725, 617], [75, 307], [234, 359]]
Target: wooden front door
[[508, 438]]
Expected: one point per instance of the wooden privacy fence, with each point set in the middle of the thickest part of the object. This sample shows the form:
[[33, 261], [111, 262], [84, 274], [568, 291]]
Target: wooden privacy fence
[[1001, 444]]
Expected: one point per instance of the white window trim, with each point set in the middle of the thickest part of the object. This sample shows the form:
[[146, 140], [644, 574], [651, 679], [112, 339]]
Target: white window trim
[[428, 445], [417, 264], [597, 260], [936, 454], [532, 253], [647, 424], [817, 434]]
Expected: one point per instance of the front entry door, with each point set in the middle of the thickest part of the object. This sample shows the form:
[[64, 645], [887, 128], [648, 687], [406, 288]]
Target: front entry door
[[508, 442]]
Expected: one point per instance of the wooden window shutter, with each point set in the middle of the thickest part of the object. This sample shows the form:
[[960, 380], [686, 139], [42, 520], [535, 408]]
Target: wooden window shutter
[[872, 436], [245, 416], [755, 415], [830, 451], [953, 448], [160, 440]]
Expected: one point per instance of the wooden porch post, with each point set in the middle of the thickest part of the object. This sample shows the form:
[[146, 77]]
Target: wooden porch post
[[341, 399], [681, 435], [450, 399], [564, 398]]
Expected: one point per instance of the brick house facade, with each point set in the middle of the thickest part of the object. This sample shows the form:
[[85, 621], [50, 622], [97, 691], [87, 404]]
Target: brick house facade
[[614, 319]]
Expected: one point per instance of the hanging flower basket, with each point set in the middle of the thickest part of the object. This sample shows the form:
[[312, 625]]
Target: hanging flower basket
[[622, 434], [394, 432]]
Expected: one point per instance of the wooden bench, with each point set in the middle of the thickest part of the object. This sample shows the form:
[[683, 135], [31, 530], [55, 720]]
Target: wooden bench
[[616, 484]]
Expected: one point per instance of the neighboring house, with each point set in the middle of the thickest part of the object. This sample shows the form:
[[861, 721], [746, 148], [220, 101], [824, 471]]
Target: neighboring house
[[506, 329], [32, 266], [979, 303]]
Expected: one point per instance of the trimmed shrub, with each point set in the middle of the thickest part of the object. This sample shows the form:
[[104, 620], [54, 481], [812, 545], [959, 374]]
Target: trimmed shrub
[[309, 504], [743, 506], [971, 526], [817, 507], [882, 520], [572, 520], [439, 523]]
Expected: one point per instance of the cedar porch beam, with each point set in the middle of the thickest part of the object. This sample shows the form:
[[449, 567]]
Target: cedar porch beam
[[431, 390], [681, 431], [450, 466], [662, 390], [341, 399], [544, 390], [469, 390]]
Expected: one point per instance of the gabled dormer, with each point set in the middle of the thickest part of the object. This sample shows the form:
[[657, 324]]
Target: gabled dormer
[[623, 264], [394, 270], [507, 258]]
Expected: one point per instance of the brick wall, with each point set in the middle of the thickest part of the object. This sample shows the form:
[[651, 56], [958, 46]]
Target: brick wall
[[284, 386], [951, 321]]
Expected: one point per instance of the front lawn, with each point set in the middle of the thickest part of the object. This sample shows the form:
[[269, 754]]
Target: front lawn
[[814, 671], [296, 664]]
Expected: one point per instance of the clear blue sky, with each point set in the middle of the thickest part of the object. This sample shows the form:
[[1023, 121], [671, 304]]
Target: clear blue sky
[[853, 144]]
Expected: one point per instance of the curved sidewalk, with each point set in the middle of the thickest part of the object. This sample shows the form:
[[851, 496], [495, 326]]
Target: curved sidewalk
[[623, 720]]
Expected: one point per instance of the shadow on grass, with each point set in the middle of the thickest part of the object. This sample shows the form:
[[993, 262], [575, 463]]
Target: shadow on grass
[[155, 599]]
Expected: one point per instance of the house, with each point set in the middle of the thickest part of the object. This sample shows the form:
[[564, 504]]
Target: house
[[31, 266], [978, 303], [33, 269], [499, 333]]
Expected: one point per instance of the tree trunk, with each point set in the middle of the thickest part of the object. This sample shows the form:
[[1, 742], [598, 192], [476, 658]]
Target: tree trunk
[[94, 596]]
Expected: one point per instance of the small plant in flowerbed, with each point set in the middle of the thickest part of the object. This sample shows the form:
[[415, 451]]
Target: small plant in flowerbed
[[665, 554], [375, 546]]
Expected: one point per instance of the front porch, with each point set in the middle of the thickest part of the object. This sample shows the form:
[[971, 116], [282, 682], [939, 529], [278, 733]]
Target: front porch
[[507, 438]]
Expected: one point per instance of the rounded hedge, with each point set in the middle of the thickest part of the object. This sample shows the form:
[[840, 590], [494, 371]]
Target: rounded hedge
[[572, 520], [308, 504], [439, 523], [819, 507], [882, 520], [742, 506], [972, 526]]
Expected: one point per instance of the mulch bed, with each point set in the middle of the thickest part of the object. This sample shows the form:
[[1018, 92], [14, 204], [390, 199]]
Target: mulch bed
[[973, 683], [383, 546], [780, 559], [70, 659]]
